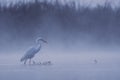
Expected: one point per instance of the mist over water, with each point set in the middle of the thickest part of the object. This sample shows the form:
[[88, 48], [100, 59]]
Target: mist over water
[[64, 27], [82, 35]]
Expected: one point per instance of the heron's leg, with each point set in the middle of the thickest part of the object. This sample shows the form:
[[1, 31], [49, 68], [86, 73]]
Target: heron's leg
[[34, 62], [30, 61], [25, 61]]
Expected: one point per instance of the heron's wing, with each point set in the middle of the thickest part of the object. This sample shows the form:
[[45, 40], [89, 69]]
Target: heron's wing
[[29, 54], [31, 51]]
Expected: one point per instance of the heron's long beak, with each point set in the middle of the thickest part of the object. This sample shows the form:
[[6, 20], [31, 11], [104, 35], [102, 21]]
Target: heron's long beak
[[45, 41]]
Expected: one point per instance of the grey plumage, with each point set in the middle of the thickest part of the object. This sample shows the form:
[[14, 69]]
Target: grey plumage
[[32, 51]]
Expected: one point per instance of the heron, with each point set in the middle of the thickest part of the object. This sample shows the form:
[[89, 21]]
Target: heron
[[95, 61], [33, 51]]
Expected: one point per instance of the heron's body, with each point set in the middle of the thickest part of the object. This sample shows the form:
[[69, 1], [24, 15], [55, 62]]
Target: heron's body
[[31, 52]]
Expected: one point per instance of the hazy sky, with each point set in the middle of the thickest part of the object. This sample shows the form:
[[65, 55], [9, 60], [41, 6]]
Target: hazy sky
[[81, 2]]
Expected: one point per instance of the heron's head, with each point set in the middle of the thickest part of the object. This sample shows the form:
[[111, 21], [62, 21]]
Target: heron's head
[[40, 39]]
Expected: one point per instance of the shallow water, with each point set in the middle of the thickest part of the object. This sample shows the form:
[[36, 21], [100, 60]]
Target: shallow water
[[64, 67]]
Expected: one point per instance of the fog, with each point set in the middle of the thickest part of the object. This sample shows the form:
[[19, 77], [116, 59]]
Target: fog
[[63, 2], [61, 25], [82, 35]]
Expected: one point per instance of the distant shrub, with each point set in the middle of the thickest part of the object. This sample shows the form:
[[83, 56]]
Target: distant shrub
[[101, 21]]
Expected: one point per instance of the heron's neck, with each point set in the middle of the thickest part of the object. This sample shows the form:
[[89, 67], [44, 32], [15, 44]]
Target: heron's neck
[[38, 45]]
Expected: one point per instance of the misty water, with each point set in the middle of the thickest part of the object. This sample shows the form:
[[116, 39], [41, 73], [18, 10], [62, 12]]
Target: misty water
[[64, 66], [83, 39]]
